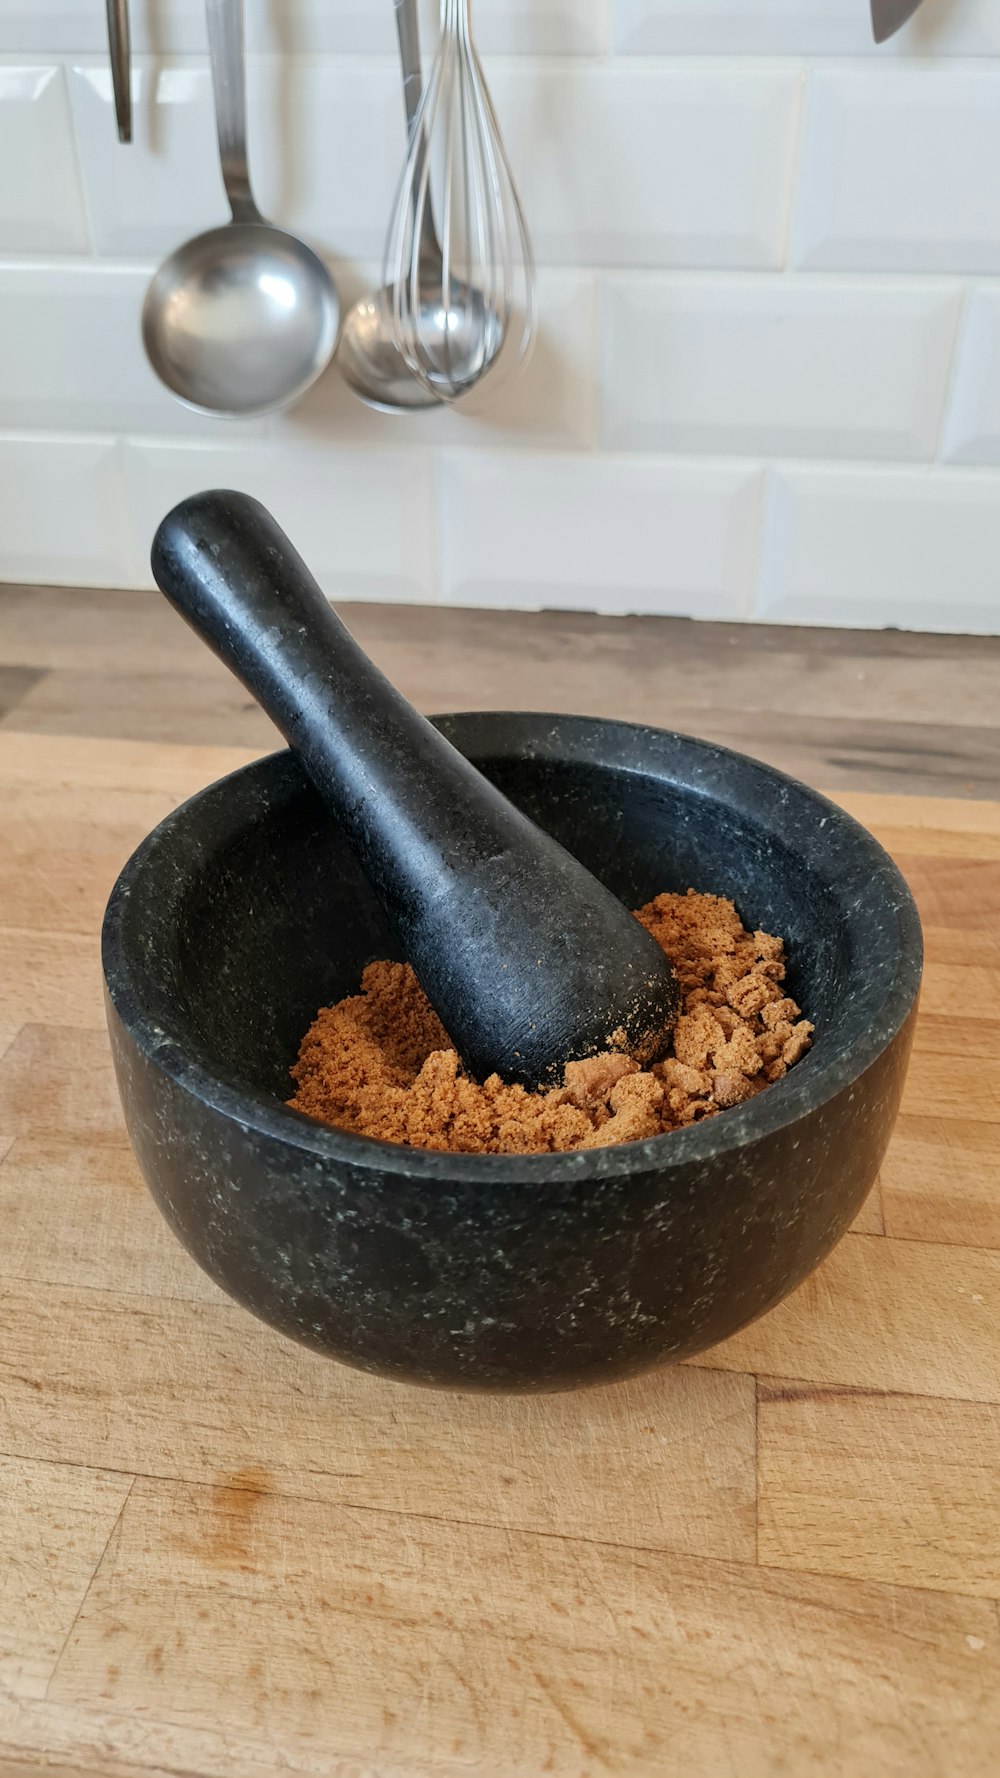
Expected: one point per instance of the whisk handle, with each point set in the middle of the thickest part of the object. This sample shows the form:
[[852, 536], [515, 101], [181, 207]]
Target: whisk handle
[[408, 32]]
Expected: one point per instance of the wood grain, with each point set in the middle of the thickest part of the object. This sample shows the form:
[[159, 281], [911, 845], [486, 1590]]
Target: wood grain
[[222, 1556], [944, 1077], [15, 685], [199, 1389], [966, 891], [832, 750], [870, 1219], [941, 1180], [55, 1522], [879, 710], [888, 1487], [965, 991], [57, 974], [925, 826], [55, 1078], [457, 1647], [918, 1317], [115, 1238]]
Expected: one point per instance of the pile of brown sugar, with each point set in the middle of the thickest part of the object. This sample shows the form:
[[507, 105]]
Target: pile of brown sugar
[[381, 1063]]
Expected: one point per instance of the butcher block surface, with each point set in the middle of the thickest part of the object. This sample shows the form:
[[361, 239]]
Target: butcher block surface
[[224, 1557]]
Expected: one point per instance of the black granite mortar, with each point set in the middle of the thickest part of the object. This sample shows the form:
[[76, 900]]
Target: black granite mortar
[[244, 911]]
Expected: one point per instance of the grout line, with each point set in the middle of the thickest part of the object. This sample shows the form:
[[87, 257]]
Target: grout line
[[596, 415], [870, 61], [901, 279], [91, 254], [951, 379], [526, 448], [437, 526], [794, 174], [606, 53], [765, 480]]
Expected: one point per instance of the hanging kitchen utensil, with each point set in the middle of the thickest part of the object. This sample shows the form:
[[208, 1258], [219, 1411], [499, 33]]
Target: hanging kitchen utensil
[[242, 319], [120, 51], [483, 274], [370, 362], [889, 16]]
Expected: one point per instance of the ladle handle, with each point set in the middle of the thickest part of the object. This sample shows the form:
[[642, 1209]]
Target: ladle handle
[[120, 50], [525, 956], [227, 53]]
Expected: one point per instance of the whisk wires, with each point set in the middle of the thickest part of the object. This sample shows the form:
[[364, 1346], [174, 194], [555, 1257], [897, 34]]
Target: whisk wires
[[458, 260]]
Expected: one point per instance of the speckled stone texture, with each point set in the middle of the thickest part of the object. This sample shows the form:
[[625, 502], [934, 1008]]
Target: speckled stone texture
[[244, 911]]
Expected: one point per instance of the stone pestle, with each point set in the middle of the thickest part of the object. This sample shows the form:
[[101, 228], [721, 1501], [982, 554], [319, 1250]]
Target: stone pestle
[[527, 959]]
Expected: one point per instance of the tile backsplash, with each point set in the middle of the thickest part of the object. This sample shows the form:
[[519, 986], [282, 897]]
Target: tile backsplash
[[767, 383]]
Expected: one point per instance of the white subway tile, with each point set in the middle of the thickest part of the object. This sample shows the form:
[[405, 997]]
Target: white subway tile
[[41, 208], [40, 26], [673, 178], [539, 27], [622, 165], [897, 171], [362, 520], [972, 430], [303, 27], [328, 143], [775, 366], [552, 401], [799, 27], [617, 166], [917, 549], [326, 146], [71, 356], [598, 533], [149, 195], [62, 512]]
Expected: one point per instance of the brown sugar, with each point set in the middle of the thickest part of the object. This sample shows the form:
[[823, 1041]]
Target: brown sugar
[[380, 1063]]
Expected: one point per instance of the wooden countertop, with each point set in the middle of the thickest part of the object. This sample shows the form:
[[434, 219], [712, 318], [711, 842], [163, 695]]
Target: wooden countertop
[[221, 1555], [850, 710]]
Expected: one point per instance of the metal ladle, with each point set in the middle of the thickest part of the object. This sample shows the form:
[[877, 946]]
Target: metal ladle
[[370, 361], [242, 319]]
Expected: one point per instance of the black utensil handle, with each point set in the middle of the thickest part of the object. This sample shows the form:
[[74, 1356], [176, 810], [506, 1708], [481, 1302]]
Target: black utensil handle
[[228, 568], [527, 959]]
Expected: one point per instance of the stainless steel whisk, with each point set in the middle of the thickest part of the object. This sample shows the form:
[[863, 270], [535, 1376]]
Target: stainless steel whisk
[[462, 288]]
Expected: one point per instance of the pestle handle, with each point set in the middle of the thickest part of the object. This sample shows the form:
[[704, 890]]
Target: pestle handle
[[527, 959]]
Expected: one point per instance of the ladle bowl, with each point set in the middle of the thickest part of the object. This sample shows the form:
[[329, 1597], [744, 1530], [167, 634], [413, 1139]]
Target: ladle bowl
[[240, 320]]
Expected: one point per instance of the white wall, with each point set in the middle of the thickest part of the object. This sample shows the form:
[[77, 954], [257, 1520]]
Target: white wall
[[768, 383]]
